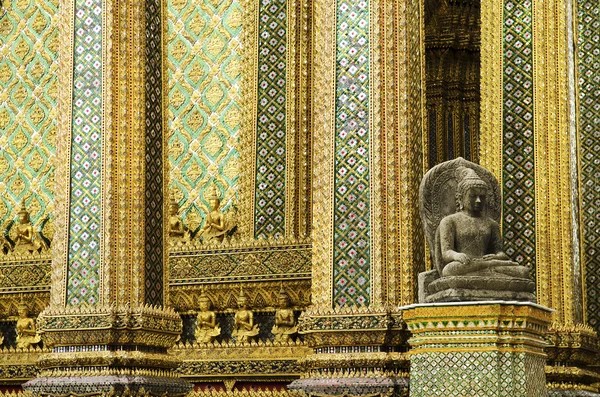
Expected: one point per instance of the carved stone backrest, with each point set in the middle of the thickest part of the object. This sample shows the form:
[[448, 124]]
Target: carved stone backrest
[[437, 198]]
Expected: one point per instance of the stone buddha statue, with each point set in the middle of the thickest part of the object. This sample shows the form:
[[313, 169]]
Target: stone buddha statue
[[467, 246], [244, 328], [207, 328], [285, 321], [26, 239], [27, 335]]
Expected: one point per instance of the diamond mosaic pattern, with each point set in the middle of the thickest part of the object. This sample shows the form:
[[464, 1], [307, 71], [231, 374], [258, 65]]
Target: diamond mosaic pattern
[[270, 139], [154, 157], [86, 156], [204, 93], [588, 46], [351, 211], [481, 374], [28, 53], [518, 144]]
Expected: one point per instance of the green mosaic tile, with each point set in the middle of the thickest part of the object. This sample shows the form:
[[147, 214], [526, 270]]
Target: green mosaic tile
[[271, 124], [588, 58], [86, 157], [481, 374], [203, 114], [518, 139], [351, 185], [28, 92]]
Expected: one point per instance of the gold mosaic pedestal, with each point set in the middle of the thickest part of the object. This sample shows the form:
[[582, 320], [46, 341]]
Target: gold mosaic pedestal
[[355, 353], [477, 349]]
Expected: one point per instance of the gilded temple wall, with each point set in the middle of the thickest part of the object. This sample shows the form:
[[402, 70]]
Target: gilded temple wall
[[588, 111], [28, 92], [203, 115], [237, 112], [518, 140]]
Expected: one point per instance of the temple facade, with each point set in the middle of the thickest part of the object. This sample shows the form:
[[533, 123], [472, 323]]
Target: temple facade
[[220, 198]]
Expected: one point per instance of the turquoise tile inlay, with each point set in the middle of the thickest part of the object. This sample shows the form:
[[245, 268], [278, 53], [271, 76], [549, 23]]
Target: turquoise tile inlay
[[86, 156], [271, 137], [351, 209], [518, 157]]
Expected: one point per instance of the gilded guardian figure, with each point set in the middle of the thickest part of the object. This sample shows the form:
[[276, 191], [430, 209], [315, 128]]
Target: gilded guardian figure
[[244, 329], [27, 335], [26, 239], [285, 322], [207, 328], [177, 230], [216, 225]]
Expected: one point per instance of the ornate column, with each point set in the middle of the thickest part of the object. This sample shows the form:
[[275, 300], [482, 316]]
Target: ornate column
[[536, 103], [107, 323], [367, 238]]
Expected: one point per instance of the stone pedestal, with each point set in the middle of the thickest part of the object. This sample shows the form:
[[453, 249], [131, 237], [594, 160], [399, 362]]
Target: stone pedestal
[[477, 349]]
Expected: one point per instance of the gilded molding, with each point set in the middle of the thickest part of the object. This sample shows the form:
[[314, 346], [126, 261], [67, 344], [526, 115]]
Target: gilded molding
[[554, 230], [60, 243], [262, 295], [323, 135], [219, 360], [248, 127], [491, 86]]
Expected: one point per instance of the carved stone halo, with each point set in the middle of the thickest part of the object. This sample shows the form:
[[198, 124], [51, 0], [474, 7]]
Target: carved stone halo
[[437, 195]]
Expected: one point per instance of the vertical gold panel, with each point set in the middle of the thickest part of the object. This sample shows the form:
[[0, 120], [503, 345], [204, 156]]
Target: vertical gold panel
[[323, 135], [554, 241], [491, 86]]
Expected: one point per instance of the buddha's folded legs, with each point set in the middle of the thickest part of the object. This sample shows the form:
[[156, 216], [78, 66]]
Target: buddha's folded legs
[[477, 266]]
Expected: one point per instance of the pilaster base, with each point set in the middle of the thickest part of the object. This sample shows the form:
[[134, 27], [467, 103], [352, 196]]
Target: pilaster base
[[571, 393], [113, 385], [108, 352], [483, 349], [356, 352]]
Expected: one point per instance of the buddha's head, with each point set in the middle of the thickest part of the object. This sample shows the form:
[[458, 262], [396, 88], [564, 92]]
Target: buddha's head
[[242, 300], [23, 214], [204, 303], [471, 192], [213, 197], [283, 299], [22, 310], [173, 207]]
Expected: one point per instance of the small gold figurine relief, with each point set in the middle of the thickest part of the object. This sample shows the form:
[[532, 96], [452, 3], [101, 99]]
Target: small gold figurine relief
[[216, 225], [177, 230], [244, 329], [27, 335], [21, 238], [207, 328], [285, 322]]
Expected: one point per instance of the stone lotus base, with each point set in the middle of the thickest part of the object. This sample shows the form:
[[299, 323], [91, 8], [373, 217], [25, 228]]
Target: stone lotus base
[[433, 288], [477, 349]]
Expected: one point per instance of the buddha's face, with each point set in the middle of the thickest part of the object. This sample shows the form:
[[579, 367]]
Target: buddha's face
[[204, 305], [214, 204], [283, 301], [23, 217], [243, 303], [174, 209], [22, 312], [474, 200]]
